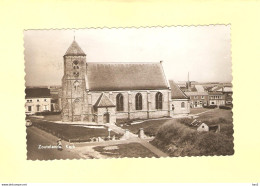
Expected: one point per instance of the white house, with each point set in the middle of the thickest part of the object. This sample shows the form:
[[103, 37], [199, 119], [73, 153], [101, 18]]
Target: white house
[[37, 100], [180, 101]]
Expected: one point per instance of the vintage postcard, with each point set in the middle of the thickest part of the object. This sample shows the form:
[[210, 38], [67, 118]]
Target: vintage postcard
[[128, 92]]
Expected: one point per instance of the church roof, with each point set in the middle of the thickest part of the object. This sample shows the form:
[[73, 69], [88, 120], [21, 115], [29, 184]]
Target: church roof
[[74, 50], [176, 92], [104, 101], [125, 76]]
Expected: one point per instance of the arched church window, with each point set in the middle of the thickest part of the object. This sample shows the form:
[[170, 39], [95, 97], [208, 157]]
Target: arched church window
[[119, 102], [138, 101], [158, 100], [76, 85]]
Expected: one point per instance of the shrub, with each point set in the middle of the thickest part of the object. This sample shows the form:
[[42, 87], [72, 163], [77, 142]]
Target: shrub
[[225, 107], [186, 121], [210, 106], [47, 112], [190, 142]]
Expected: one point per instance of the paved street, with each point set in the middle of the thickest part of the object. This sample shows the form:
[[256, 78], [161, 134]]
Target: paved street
[[36, 137]]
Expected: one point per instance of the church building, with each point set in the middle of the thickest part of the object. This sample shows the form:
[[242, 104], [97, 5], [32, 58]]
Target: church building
[[104, 92]]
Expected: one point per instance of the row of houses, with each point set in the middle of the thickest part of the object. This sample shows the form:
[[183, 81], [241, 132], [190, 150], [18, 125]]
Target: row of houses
[[205, 95]]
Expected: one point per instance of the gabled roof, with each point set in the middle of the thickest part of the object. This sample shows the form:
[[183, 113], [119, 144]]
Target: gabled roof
[[222, 89], [37, 93], [125, 76], [74, 50], [200, 88], [176, 92], [104, 101]]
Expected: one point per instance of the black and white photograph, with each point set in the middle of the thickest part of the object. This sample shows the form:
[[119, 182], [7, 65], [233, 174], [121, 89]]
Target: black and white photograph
[[128, 92]]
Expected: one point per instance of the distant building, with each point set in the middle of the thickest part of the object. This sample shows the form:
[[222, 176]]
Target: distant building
[[198, 99], [180, 101], [37, 100], [216, 98], [227, 92]]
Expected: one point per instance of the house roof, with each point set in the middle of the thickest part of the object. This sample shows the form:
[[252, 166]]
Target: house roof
[[176, 92], [104, 101], [200, 88], [221, 88], [125, 76], [37, 93], [74, 50], [196, 93]]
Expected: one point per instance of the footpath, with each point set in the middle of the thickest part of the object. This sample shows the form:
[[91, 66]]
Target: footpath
[[133, 138]]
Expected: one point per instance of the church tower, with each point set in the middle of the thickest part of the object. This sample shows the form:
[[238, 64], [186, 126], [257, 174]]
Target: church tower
[[74, 102]]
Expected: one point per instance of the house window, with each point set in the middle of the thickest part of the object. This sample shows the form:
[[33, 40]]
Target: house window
[[38, 100], [28, 100], [138, 101], [182, 105], [119, 102], [195, 97], [202, 97], [158, 100], [38, 108], [29, 108], [45, 99], [45, 107]]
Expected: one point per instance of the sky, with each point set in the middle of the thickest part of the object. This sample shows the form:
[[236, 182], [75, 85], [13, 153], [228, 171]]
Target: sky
[[203, 51]]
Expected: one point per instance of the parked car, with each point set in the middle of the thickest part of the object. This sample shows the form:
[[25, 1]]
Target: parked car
[[28, 123]]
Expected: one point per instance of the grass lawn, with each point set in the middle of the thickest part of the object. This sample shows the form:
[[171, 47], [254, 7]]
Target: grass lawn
[[217, 113], [198, 110], [72, 132], [150, 126], [219, 116], [130, 150], [53, 117]]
